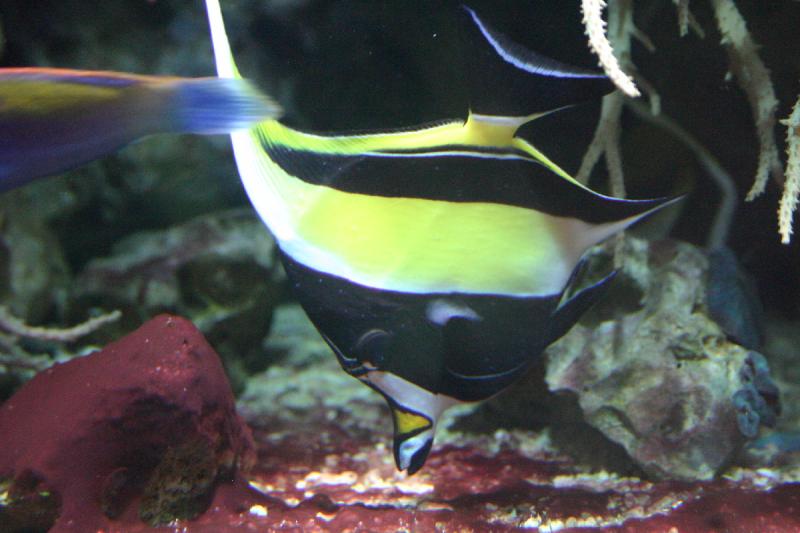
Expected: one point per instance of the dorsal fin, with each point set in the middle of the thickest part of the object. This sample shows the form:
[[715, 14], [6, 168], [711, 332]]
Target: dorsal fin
[[226, 66], [508, 80]]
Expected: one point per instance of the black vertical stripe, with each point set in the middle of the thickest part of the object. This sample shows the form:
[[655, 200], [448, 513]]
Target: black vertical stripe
[[468, 359], [454, 175]]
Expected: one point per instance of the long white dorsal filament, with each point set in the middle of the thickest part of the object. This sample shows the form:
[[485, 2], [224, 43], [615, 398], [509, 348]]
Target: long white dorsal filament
[[222, 49]]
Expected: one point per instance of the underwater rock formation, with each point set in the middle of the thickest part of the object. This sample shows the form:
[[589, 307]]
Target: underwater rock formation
[[324, 466], [322, 462], [664, 381], [145, 427], [33, 272], [780, 447], [217, 270]]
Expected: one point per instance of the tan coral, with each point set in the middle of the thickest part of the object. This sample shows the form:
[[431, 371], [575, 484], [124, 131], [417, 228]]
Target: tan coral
[[791, 188], [599, 43]]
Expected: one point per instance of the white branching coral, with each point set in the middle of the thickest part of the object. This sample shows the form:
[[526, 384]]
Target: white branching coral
[[791, 188], [595, 28], [683, 16], [722, 179], [753, 76], [748, 69], [605, 142], [606, 136], [686, 20], [15, 358], [15, 326]]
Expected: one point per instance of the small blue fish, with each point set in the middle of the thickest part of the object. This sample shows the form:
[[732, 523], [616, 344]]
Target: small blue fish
[[52, 120]]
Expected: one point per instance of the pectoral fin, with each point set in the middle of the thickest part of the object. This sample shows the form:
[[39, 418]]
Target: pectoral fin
[[570, 311]]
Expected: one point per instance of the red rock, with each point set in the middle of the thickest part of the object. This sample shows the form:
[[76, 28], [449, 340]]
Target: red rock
[[146, 427]]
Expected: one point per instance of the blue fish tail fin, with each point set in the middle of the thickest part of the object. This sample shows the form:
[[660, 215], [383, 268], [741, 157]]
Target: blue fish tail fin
[[216, 105], [506, 79]]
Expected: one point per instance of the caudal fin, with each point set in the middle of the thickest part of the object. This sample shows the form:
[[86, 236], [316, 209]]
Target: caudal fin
[[52, 120], [508, 80], [220, 105]]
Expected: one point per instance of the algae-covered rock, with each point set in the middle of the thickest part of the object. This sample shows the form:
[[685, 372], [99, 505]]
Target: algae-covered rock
[[219, 270], [664, 381], [181, 485], [33, 273]]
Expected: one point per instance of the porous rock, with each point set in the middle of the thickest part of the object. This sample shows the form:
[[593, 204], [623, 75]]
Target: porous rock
[[663, 380], [146, 428]]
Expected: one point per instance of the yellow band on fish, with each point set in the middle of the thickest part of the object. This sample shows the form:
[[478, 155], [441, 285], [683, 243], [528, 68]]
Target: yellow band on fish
[[408, 422]]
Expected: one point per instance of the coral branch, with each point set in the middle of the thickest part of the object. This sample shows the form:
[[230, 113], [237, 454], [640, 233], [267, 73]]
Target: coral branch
[[753, 77], [606, 135], [686, 20], [606, 142], [14, 325], [653, 97], [27, 362], [613, 155], [720, 228], [791, 188], [598, 42], [683, 16]]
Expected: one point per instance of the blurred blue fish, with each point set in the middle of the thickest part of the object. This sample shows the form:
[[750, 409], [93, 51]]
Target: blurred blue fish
[[52, 120]]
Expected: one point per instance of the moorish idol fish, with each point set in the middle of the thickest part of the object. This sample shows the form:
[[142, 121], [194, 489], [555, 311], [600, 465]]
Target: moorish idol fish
[[434, 260], [52, 120]]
